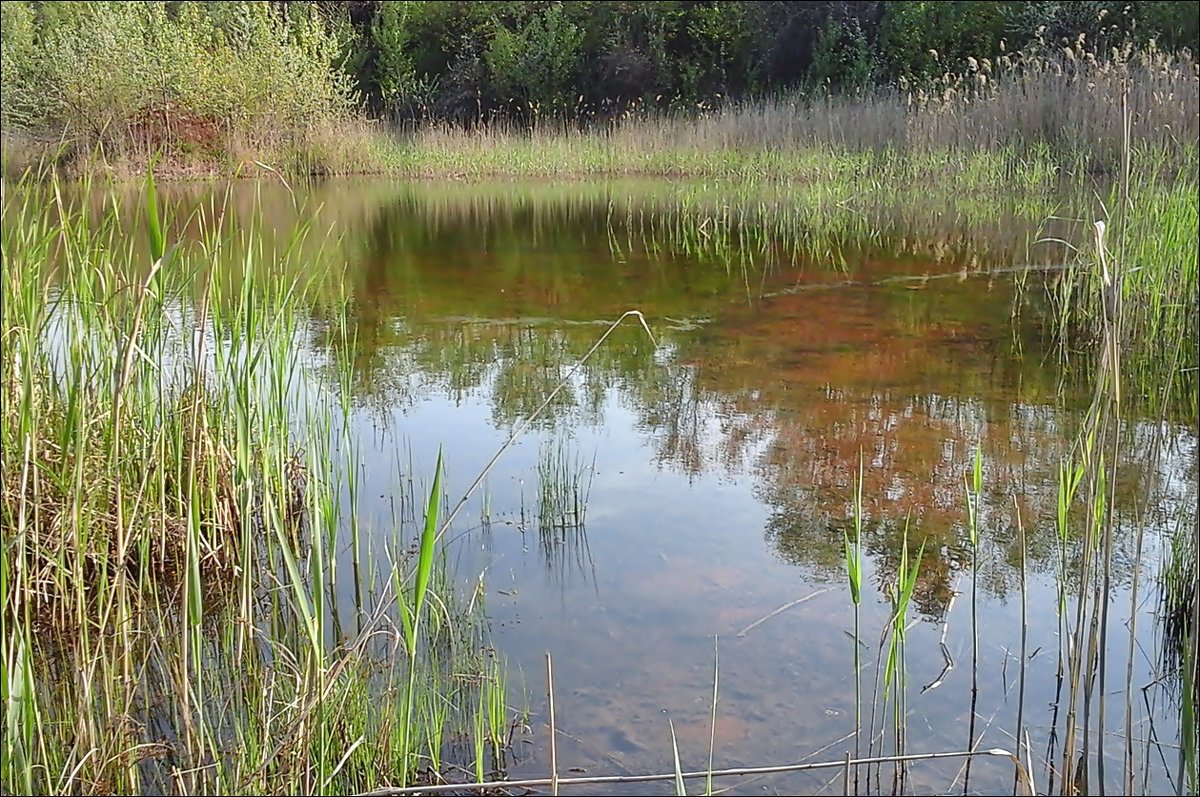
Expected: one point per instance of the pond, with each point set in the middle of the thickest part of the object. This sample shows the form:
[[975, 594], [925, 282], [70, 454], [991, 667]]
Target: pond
[[672, 523]]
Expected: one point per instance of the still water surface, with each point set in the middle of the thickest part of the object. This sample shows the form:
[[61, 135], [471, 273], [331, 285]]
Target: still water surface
[[708, 471]]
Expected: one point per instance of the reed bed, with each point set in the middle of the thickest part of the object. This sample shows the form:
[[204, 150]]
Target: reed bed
[[1066, 102], [969, 224], [171, 516], [1061, 101]]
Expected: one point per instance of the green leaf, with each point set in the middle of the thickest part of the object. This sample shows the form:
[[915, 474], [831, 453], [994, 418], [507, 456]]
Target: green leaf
[[428, 538], [154, 230], [852, 570], [978, 475], [679, 787]]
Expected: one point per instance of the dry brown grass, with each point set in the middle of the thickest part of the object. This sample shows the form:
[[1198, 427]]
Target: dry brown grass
[[1068, 106], [1072, 103], [68, 534]]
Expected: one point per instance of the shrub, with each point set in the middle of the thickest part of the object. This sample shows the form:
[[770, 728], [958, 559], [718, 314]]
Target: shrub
[[126, 76], [538, 63]]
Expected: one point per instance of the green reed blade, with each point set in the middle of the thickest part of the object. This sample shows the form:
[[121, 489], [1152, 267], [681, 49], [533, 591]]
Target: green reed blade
[[853, 568], [154, 229], [1189, 757], [18, 715], [428, 538], [909, 583], [712, 733], [680, 789]]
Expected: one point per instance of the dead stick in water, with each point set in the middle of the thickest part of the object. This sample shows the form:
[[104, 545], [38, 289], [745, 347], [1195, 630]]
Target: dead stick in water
[[806, 758], [780, 610], [553, 745], [946, 657], [443, 788]]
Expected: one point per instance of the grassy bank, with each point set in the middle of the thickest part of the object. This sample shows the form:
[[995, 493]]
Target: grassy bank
[[172, 520], [1066, 114], [1064, 111]]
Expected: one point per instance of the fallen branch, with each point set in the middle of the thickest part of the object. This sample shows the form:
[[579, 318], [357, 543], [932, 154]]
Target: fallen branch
[[389, 791]]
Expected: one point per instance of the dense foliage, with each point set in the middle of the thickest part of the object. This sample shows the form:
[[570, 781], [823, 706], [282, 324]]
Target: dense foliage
[[463, 59], [193, 76], [213, 77]]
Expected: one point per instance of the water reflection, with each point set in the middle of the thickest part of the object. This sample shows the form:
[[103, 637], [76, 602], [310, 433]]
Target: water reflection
[[789, 344], [778, 364], [500, 300]]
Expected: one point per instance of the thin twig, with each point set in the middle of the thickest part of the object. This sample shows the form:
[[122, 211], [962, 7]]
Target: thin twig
[[966, 768], [720, 773], [804, 760], [780, 610], [1029, 761], [553, 746]]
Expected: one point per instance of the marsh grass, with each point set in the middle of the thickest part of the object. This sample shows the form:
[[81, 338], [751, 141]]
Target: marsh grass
[[564, 488], [969, 215], [170, 515], [245, 498], [1152, 254], [1065, 103], [1189, 757], [890, 689], [1180, 593], [1089, 503], [1058, 108], [564, 484]]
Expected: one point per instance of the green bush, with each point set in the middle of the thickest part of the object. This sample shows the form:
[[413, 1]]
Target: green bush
[[538, 63], [920, 41], [842, 58], [17, 63], [117, 74]]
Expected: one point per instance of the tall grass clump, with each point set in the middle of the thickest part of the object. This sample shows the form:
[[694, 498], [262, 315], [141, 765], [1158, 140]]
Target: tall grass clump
[[564, 484], [1137, 276], [564, 487], [1043, 114], [1179, 607], [1090, 507], [170, 510], [892, 667]]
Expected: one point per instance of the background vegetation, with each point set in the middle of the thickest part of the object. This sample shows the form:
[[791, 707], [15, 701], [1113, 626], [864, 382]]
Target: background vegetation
[[222, 83], [600, 58]]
